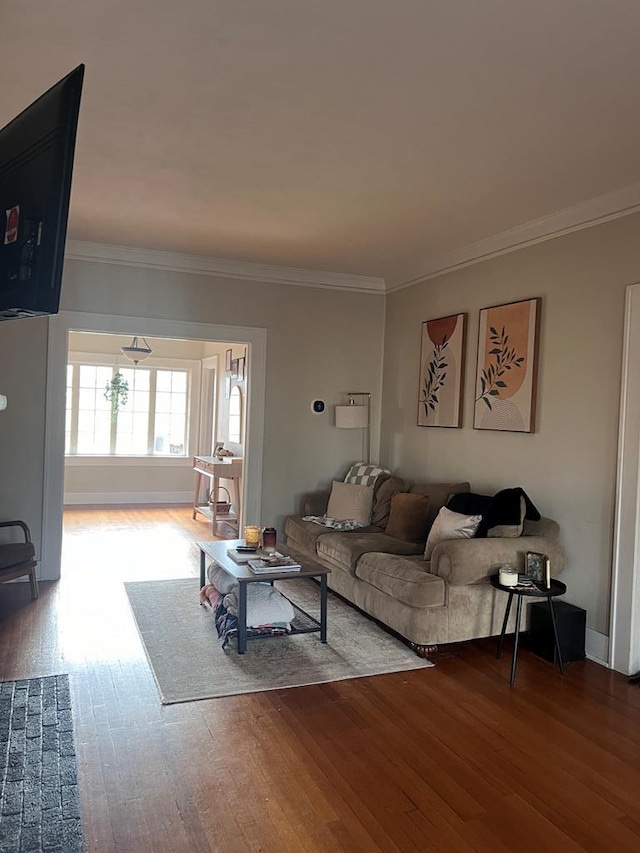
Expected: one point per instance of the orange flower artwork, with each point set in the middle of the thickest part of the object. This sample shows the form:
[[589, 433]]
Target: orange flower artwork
[[441, 371], [507, 366]]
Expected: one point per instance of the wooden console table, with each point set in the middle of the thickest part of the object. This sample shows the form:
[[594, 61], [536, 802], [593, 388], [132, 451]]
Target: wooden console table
[[229, 468]]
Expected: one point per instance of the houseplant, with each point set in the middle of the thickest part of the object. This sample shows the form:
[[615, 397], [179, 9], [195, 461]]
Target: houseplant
[[117, 393]]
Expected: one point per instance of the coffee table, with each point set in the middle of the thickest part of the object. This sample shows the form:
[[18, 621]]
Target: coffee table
[[303, 623]]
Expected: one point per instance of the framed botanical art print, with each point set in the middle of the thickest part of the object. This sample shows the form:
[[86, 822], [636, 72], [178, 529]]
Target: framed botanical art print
[[507, 369], [442, 371]]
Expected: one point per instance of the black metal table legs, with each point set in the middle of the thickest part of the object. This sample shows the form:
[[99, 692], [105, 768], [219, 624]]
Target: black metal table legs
[[516, 636], [504, 625], [555, 634], [323, 609]]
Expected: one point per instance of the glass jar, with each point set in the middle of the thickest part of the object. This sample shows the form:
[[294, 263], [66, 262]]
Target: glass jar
[[269, 539], [252, 535]]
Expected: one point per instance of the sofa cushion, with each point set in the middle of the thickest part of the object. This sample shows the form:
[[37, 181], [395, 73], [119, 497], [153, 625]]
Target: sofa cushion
[[304, 535], [406, 579], [350, 501], [384, 489], [345, 549], [408, 517], [451, 525], [439, 494]]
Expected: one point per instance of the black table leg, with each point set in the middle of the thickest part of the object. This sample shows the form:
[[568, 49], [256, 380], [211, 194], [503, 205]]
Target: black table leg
[[504, 625], [516, 638], [202, 569], [242, 618], [555, 634], [323, 608]]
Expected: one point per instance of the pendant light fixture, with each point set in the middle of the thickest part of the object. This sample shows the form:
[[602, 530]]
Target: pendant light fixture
[[137, 351]]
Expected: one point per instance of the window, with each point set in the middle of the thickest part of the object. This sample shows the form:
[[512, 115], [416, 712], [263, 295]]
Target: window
[[152, 422], [235, 415]]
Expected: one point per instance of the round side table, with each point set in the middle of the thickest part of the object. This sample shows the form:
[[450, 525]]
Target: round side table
[[557, 588]]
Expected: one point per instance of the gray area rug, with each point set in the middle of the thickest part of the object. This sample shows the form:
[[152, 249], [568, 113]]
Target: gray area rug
[[39, 799], [188, 662]]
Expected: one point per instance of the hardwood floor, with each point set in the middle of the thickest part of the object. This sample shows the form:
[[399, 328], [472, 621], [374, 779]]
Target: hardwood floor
[[446, 759]]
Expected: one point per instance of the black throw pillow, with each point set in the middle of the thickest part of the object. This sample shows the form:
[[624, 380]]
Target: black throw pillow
[[501, 509], [469, 503]]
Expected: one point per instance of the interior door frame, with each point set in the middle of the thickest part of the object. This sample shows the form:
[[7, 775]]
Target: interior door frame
[[59, 327], [208, 404], [624, 640]]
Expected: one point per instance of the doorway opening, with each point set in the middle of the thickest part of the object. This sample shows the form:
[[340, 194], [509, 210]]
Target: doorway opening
[[134, 423], [160, 474]]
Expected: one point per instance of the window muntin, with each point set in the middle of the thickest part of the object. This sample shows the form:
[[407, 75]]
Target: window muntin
[[153, 421], [170, 413], [235, 415], [93, 434]]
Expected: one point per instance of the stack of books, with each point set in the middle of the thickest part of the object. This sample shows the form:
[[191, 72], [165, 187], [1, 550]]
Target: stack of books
[[242, 557], [273, 563]]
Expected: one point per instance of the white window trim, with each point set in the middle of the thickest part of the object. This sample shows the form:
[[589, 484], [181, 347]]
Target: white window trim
[[194, 367]]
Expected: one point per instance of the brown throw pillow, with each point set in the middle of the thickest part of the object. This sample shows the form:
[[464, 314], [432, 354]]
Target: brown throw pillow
[[408, 517]]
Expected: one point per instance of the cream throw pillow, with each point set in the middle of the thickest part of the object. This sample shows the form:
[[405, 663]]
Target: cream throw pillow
[[349, 501], [451, 525]]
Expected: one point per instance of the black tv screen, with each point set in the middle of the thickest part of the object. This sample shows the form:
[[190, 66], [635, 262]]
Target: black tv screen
[[36, 164]]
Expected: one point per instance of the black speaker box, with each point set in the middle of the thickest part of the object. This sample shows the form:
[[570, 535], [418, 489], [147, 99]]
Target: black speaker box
[[571, 622]]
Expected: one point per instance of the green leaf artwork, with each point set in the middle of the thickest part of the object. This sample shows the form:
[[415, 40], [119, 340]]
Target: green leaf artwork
[[434, 380], [504, 358]]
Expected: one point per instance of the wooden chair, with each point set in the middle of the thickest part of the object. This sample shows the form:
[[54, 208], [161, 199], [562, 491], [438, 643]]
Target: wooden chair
[[19, 558]]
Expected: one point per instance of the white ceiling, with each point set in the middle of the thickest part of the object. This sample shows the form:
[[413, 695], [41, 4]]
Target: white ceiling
[[368, 137]]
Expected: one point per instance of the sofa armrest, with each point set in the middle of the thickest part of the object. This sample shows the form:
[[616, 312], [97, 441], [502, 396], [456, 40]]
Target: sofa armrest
[[468, 561], [314, 503], [543, 527]]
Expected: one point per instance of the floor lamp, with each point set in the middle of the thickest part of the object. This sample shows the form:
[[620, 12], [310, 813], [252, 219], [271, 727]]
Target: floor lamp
[[356, 416]]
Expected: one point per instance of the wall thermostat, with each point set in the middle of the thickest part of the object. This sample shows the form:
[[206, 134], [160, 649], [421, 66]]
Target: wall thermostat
[[318, 407]]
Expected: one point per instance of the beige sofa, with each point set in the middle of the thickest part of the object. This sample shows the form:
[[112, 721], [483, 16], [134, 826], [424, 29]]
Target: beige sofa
[[444, 600]]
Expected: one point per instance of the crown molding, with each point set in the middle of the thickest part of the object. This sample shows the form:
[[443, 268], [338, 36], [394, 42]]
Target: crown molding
[[595, 211], [103, 253]]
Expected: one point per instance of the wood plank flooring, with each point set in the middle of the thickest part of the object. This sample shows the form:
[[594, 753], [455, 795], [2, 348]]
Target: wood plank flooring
[[447, 759]]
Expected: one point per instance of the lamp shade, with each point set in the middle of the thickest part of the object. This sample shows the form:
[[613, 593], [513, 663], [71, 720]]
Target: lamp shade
[[352, 417], [136, 352]]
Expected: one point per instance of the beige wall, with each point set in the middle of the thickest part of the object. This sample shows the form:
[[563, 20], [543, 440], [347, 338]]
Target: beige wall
[[323, 342], [23, 355], [320, 343], [568, 466]]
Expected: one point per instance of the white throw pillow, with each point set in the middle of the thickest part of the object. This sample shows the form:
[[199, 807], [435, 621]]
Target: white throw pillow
[[451, 525], [350, 501]]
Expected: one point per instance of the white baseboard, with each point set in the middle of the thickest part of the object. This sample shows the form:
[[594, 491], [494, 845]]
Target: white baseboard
[[113, 498], [597, 647]]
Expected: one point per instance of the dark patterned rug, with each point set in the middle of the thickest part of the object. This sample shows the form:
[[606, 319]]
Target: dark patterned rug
[[39, 798]]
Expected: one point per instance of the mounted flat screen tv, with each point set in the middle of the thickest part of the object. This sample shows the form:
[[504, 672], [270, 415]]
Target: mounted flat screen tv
[[36, 164]]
